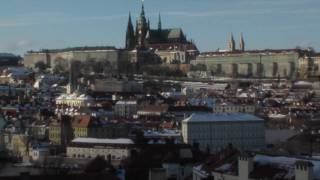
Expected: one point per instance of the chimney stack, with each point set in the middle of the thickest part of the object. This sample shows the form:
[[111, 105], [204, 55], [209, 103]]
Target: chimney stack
[[245, 166], [304, 170]]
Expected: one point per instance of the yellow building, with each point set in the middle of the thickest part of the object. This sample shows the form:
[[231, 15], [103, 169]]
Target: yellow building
[[55, 132], [80, 125]]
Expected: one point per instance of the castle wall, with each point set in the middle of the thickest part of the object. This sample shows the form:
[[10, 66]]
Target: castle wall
[[54, 58], [247, 65]]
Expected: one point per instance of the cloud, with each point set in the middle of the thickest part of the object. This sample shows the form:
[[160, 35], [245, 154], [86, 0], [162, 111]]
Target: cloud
[[41, 18], [235, 13], [15, 24], [17, 45]]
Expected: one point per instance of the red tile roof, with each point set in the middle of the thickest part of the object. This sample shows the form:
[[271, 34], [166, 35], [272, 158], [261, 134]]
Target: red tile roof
[[81, 121]]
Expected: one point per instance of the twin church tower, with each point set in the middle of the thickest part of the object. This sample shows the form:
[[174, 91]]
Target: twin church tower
[[232, 44]]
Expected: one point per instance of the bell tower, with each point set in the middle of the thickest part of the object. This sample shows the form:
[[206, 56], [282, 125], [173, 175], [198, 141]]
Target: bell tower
[[130, 38], [231, 44], [242, 44], [141, 29]]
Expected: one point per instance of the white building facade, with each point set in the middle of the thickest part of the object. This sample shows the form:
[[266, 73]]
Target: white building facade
[[113, 149], [125, 108], [216, 131]]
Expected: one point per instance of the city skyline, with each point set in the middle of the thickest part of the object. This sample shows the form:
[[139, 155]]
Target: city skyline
[[35, 25]]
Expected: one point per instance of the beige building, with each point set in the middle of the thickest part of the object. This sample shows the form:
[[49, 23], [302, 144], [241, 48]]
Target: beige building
[[118, 59], [113, 149], [216, 131], [172, 56], [309, 66], [55, 132], [16, 144], [259, 63]]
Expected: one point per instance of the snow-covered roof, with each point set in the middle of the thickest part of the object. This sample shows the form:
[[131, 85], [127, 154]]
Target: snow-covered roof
[[127, 102], [103, 141], [302, 83], [165, 133], [218, 117], [74, 97], [277, 116], [85, 97], [286, 161]]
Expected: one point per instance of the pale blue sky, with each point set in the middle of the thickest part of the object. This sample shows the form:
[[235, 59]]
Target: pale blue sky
[[36, 24]]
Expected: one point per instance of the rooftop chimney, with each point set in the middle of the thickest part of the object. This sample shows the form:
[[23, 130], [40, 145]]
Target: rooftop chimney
[[245, 166], [304, 170]]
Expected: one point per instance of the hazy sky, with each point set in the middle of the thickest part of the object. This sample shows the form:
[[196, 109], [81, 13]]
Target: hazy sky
[[36, 24]]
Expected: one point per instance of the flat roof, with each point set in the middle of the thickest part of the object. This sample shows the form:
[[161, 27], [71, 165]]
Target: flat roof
[[222, 117]]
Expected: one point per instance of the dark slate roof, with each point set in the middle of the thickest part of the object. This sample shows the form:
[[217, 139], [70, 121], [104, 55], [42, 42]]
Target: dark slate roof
[[166, 35], [9, 59]]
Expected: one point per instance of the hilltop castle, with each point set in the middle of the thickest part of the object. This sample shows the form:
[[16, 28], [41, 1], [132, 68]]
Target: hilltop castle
[[160, 40]]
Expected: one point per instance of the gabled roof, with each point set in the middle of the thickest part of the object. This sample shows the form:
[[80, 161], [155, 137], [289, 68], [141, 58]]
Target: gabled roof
[[166, 35], [173, 33]]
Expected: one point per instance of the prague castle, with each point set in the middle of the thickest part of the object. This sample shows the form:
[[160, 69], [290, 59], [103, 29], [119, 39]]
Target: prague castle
[[143, 45], [170, 44], [146, 45]]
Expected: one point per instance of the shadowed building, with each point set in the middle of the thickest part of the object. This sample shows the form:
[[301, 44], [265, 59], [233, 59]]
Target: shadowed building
[[7, 59]]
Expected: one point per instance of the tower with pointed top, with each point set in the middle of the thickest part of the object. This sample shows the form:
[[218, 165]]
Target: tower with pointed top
[[141, 29], [231, 43], [130, 37], [242, 44], [159, 23]]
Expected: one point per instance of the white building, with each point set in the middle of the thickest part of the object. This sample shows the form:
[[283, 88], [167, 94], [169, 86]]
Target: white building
[[39, 154], [113, 149], [216, 131], [232, 108], [125, 108], [75, 100]]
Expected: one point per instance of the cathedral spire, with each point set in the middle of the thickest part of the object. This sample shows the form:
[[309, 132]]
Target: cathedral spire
[[231, 43], [159, 23], [141, 29], [130, 39], [142, 9], [242, 44]]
